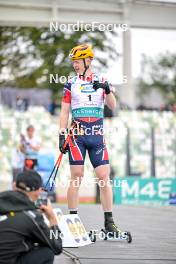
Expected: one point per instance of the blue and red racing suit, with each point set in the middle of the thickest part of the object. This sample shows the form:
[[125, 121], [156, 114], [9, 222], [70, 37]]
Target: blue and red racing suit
[[87, 106]]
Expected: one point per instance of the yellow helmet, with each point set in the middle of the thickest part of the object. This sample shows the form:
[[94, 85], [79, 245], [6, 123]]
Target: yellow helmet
[[81, 52]]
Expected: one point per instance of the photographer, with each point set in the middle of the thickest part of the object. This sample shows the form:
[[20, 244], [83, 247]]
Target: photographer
[[24, 236]]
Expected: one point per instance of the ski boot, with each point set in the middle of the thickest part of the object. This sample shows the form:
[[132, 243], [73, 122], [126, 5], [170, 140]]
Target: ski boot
[[112, 232]]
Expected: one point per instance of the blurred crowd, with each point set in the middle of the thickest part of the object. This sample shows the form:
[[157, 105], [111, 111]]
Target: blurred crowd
[[171, 107], [54, 106]]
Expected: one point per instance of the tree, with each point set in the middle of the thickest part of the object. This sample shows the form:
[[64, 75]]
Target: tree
[[29, 55], [159, 73]]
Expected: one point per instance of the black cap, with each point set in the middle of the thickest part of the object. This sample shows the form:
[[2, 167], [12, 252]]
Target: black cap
[[29, 180]]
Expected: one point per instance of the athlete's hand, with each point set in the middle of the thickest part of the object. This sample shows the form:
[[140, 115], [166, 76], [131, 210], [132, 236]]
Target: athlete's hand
[[62, 142], [104, 86]]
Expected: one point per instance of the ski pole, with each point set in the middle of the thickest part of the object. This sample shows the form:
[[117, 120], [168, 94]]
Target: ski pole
[[58, 162]]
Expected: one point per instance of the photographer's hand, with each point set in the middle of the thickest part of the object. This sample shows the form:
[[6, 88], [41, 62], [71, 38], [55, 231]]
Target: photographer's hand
[[49, 213]]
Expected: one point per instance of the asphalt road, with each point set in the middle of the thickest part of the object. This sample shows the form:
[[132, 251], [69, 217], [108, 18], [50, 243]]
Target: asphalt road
[[153, 230]]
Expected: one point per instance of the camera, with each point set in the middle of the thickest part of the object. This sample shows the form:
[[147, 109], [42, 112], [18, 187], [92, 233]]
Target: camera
[[43, 199]]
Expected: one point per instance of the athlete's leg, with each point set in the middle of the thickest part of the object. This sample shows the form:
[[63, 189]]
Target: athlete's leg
[[106, 197], [77, 152], [100, 161], [102, 173], [77, 172], [98, 155]]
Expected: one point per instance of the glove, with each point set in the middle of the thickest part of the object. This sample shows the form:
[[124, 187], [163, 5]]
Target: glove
[[104, 86], [61, 143]]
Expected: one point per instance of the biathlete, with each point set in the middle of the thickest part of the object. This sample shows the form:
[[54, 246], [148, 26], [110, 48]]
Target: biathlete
[[86, 94]]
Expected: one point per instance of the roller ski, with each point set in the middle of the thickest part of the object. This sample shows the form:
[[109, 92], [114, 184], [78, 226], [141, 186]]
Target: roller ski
[[112, 232]]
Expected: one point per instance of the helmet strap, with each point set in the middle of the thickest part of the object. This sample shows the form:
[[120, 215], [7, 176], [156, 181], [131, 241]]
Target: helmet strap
[[85, 68]]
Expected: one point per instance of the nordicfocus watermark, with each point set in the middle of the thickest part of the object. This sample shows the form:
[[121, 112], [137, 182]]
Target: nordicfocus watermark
[[88, 182], [89, 27], [94, 130], [56, 78], [56, 234]]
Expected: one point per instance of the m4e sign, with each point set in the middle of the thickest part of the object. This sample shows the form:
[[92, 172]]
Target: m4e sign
[[144, 191]]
